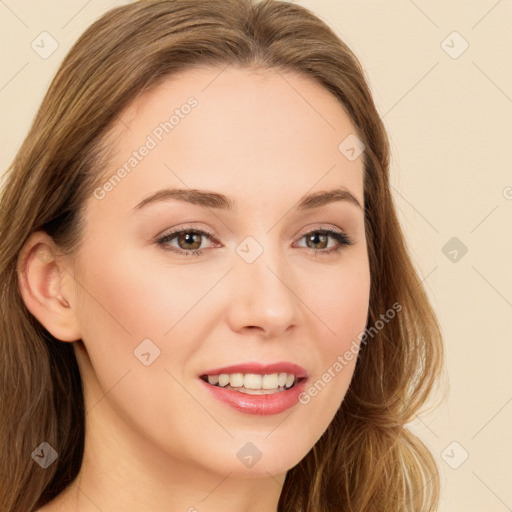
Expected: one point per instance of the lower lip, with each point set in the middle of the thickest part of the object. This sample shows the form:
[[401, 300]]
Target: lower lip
[[258, 404]]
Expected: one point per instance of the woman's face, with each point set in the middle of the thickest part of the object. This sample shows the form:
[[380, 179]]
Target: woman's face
[[265, 285]]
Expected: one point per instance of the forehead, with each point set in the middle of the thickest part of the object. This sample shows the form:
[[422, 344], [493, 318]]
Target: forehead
[[245, 133]]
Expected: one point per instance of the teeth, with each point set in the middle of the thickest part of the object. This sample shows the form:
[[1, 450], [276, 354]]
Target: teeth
[[236, 380], [223, 379], [270, 381], [253, 381], [213, 379]]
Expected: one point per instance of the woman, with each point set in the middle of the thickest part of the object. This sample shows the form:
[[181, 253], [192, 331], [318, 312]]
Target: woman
[[208, 303]]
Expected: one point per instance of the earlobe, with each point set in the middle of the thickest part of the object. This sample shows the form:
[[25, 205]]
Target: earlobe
[[47, 295]]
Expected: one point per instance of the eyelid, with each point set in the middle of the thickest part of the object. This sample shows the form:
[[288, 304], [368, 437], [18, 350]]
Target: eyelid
[[342, 238], [209, 232], [334, 232], [321, 227], [186, 227]]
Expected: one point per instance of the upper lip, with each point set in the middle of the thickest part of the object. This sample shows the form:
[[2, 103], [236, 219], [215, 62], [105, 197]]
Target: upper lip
[[260, 368]]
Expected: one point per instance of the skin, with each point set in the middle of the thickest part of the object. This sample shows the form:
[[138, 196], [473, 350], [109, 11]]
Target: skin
[[155, 438]]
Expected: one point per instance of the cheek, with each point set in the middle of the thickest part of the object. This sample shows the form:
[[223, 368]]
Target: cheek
[[123, 303], [127, 299], [342, 310], [118, 309], [341, 304], [137, 297]]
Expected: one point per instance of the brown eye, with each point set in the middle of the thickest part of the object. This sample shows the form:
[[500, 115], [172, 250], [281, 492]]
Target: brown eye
[[318, 238], [318, 241], [188, 241]]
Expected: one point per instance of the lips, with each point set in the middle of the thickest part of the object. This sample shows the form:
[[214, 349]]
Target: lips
[[264, 402], [256, 388]]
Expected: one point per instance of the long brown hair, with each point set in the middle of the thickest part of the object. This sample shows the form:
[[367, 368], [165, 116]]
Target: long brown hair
[[367, 459]]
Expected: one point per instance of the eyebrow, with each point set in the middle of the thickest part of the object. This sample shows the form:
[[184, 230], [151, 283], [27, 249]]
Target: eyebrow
[[210, 199]]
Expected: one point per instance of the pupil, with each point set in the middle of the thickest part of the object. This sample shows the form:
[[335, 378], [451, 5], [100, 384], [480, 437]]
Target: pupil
[[313, 237], [189, 238]]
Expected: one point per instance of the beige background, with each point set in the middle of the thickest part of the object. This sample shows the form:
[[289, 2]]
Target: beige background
[[450, 124]]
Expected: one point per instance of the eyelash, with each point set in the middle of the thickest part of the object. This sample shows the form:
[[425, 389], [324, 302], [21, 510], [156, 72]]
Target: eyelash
[[343, 241]]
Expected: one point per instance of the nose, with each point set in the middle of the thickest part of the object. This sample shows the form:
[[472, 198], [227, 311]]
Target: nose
[[263, 297]]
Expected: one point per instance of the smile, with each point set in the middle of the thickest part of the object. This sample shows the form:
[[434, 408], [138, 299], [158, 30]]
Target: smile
[[253, 383]]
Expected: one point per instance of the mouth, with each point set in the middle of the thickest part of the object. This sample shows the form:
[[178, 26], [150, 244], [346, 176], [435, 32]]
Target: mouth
[[254, 383], [256, 388]]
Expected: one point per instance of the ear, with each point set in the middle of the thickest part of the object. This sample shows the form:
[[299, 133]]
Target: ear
[[47, 287]]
